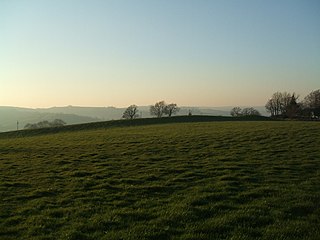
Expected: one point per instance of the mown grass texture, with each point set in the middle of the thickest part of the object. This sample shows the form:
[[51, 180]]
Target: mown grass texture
[[217, 180]]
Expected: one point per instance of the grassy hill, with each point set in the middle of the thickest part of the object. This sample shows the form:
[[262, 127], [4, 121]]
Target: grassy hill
[[190, 178], [77, 114], [109, 113], [126, 123]]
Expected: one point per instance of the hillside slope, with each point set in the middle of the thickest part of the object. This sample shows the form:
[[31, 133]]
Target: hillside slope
[[134, 122], [10, 115], [77, 114], [192, 180]]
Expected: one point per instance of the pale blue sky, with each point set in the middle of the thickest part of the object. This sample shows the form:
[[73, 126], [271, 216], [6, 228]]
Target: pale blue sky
[[192, 52]]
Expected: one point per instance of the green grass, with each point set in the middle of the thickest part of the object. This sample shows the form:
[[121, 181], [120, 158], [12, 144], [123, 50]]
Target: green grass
[[208, 180], [126, 123]]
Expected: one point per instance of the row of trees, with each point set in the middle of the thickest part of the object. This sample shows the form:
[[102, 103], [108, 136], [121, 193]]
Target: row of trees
[[237, 112], [280, 105], [45, 124], [286, 105], [159, 110]]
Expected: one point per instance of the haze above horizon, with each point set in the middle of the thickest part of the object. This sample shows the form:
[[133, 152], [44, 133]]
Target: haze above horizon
[[121, 52]]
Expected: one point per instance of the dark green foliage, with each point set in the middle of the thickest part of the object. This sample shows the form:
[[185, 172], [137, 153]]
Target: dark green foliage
[[209, 180]]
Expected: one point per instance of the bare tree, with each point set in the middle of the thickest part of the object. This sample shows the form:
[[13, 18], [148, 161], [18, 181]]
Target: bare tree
[[285, 102], [131, 112], [250, 112], [158, 109], [311, 103], [235, 112], [171, 109], [278, 103], [272, 108], [312, 100]]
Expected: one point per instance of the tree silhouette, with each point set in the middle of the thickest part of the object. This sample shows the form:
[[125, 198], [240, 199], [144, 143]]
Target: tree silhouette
[[171, 109], [250, 112], [293, 107], [311, 103], [277, 104], [131, 112], [158, 109], [235, 112]]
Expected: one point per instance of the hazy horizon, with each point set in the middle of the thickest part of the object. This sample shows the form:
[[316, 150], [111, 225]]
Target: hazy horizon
[[121, 107], [120, 52]]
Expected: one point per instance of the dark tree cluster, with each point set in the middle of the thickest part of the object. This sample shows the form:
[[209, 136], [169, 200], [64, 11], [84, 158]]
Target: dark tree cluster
[[158, 109], [131, 112], [161, 108], [286, 105], [250, 111], [311, 105], [45, 124]]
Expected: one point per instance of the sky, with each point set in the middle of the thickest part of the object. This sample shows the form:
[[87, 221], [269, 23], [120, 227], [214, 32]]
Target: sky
[[190, 52]]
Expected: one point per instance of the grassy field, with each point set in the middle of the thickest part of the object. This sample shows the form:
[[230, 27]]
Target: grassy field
[[208, 180]]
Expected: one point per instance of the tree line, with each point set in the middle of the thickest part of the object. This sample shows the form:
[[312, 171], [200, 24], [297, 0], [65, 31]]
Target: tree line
[[287, 105], [280, 105], [159, 110], [238, 112]]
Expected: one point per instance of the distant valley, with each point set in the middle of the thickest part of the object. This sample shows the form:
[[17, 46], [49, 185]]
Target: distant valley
[[74, 114]]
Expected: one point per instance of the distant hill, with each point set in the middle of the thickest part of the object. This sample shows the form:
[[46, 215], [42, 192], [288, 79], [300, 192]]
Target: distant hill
[[77, 114], [113, 113], [101, 113], [10, 115]]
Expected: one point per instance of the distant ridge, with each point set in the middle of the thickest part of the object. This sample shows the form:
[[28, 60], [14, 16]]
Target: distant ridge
[[10, 115], [113, 113], [78, 114]]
